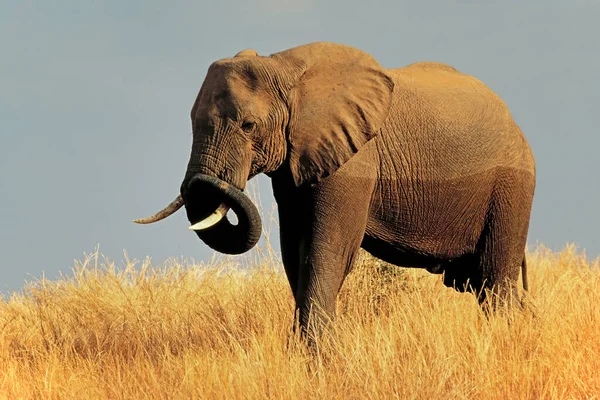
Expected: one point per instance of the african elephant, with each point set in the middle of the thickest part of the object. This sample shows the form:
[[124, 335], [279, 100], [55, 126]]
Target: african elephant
[[422, 166]]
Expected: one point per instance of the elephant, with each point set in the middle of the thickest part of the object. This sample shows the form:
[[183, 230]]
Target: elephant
[[422, 166]]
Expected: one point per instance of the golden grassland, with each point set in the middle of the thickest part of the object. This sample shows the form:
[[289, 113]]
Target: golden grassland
[[185, 330]]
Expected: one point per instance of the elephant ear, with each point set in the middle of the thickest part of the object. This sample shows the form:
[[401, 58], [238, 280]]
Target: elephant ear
[[339, 101]]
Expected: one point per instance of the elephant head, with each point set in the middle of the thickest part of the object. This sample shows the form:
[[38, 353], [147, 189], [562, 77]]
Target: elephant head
[[306, 110]]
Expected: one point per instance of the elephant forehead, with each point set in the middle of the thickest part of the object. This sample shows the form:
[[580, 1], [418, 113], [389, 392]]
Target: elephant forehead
[[233, 105], [233, 95], [254, 73]]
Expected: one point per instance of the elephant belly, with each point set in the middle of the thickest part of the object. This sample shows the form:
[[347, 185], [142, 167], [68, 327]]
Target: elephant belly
[[402, 256], [428, 223]]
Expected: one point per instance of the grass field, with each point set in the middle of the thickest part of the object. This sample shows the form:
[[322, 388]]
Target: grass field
[[212, 331]]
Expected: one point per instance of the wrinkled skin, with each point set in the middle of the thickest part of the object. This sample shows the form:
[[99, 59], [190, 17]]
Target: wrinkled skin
[[421, 166]]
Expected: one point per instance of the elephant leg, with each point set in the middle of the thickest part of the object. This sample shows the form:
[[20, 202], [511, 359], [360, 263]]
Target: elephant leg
[[336, 227], [290, 227], [289, 238], [464, 274], [292, 217], [503, 242]]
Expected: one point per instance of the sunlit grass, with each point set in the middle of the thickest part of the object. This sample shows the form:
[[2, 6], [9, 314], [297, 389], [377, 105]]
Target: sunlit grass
[[211, 331]]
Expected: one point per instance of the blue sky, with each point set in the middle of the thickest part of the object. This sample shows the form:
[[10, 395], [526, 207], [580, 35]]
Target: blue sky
[[95, 99]]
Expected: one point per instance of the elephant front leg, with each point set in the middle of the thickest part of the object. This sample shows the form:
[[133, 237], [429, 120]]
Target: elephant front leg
[[335, 229], [292, 226], [320, 280]]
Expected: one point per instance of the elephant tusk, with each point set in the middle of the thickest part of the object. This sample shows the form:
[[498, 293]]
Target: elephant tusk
[[212, 219], [162, 214]]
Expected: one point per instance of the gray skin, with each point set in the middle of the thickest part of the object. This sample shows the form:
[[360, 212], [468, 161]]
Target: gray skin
[[422, 166]]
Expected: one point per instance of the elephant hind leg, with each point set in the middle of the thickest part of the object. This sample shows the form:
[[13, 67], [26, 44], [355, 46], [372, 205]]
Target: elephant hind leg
[[503, 240], [464, 274], [482, 272]]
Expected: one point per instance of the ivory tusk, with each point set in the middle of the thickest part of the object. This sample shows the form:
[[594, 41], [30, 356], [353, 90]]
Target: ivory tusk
[[212, 219], [162, 214]]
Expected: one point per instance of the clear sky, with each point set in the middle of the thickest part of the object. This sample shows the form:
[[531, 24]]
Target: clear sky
[[95, 99]]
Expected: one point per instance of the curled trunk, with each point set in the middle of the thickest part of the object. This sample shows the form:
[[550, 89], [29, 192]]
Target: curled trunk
[[202, 195]]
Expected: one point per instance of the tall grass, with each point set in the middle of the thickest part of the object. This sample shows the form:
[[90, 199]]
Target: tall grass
[[209, 331]]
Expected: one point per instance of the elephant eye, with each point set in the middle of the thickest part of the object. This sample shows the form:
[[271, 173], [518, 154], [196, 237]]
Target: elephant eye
[[248, 126]]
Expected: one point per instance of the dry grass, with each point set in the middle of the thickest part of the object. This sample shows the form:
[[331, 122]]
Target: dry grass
[[192, 331]]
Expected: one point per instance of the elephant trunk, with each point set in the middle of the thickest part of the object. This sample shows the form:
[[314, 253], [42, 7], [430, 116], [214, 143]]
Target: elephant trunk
[[202, 195]]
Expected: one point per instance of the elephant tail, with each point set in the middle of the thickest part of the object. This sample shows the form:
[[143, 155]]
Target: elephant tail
[[524, 273]]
